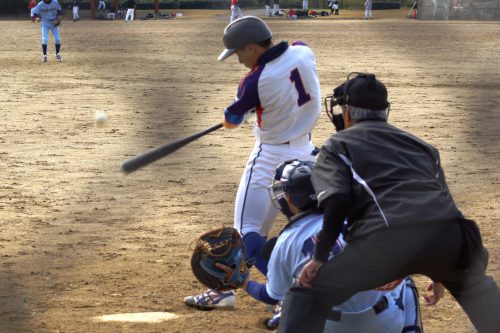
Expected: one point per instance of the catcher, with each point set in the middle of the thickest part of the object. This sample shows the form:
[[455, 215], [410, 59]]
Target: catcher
[[392, 308]]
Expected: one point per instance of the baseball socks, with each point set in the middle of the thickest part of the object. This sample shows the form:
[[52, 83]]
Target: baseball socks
[[58, 55], [44, 50]]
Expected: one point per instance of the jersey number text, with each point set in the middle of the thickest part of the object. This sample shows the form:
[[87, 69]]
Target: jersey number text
[[304, 97]]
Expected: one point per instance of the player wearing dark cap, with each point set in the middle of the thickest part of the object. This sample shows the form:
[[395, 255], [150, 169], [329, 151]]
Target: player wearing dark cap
[[402, 220]]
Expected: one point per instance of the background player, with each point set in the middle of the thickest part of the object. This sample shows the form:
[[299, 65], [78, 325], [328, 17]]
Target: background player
[[130, 6], [31, 5], [276, 8], [235, 10], [392, 309], [76, 10], [50, 12], [368, 9], [283, 90]]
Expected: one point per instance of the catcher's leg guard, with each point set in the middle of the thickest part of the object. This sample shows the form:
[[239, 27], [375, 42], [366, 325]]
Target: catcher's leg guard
[[254, 244], [301, 313]]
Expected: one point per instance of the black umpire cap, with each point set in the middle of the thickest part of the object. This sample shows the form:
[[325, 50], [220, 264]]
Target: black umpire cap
[[243, 31], [363, 91]]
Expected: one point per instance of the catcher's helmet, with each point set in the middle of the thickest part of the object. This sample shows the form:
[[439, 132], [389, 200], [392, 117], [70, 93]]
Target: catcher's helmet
[[293, 178], [363, 90], [243, 31]]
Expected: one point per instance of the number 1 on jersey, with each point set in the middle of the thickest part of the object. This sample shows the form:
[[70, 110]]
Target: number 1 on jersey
[[304, 97]]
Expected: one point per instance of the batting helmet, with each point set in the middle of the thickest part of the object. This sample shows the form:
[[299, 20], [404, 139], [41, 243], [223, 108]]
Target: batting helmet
[[243, 31], [293, 179]]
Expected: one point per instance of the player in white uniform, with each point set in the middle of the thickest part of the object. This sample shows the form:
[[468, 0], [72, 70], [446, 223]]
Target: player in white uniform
[[394, 309], [50, 12], [276, 8], [283, 90], [235, 10], [368, 9]]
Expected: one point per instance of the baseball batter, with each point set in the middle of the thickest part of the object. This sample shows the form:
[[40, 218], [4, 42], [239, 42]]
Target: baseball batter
[[50, 13], [282, 89]]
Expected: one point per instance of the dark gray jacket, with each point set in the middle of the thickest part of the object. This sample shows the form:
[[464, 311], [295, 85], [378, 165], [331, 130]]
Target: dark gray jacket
[[388, 177]]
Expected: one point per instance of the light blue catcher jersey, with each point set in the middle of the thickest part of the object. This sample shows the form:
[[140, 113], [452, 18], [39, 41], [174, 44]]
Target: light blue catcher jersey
[[294, 248], [48, 12], [284, 91]]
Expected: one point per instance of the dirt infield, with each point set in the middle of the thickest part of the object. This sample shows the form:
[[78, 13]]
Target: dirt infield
[[79, 239]]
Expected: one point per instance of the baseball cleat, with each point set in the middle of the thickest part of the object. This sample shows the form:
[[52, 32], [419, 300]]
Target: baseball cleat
[[58, 57], [44, 58], [274, 321], [211, 300]]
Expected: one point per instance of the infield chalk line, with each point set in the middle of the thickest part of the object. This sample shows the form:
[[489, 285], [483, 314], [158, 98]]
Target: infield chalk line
[[139, 317]]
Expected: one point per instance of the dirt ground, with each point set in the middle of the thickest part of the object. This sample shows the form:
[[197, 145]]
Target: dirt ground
[[79, 239]]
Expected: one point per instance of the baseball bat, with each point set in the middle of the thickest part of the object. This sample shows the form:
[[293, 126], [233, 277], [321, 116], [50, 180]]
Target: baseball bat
[[155, 154]]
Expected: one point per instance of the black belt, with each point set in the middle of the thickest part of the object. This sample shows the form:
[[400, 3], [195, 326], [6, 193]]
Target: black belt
[[288, 142], [377, 308]]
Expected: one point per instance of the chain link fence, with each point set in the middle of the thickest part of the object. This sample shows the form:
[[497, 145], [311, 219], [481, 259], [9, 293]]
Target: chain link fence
[[488, 10]]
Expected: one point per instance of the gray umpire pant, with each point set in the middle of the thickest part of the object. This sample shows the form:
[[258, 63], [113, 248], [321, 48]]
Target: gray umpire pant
[[437, 250]]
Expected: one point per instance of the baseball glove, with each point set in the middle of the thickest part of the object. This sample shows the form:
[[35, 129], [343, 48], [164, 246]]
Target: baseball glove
[[225, 247], [57, 22]]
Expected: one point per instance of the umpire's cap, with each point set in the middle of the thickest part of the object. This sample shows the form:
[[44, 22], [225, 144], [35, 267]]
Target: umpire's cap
[[243, 31], [363, 91]]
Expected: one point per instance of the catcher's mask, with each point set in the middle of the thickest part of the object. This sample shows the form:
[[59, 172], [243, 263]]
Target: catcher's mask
[[361, 90], [293, 179]]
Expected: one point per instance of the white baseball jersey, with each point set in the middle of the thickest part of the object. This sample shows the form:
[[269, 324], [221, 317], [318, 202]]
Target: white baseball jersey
[[48, 12], [284, 91], [295, 247]]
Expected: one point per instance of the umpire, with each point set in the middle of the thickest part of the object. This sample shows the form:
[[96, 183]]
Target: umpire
[[402, 218]]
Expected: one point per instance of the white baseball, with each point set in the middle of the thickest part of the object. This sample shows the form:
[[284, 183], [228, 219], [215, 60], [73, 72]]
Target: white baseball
[[101, 117]]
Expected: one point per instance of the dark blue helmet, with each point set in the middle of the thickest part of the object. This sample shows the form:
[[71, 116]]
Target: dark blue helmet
[[293, 178]]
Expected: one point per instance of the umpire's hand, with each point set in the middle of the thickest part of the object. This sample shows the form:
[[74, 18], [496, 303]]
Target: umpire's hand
[[309, 272], [437, 292]]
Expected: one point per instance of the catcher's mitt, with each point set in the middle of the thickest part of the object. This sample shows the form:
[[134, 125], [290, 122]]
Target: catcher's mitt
[[223, 246]]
